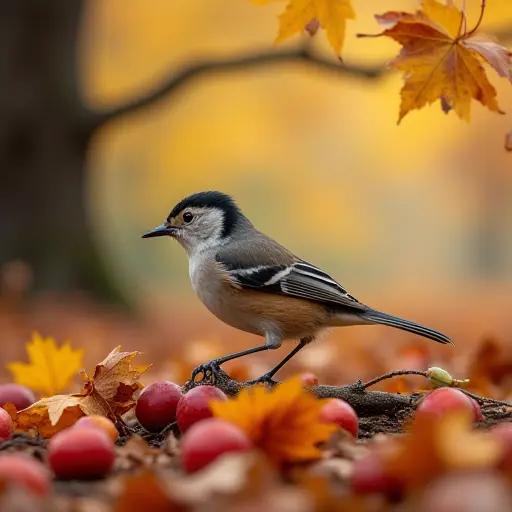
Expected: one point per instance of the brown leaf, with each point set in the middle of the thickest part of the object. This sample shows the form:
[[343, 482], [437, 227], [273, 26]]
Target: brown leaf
[[441, 60], [145, 491], [109, 393]]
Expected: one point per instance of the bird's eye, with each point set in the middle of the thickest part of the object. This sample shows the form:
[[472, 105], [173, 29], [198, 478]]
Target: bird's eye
[[187, 217]]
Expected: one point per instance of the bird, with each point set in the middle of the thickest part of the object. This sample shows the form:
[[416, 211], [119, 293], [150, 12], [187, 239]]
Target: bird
[[251, 282]]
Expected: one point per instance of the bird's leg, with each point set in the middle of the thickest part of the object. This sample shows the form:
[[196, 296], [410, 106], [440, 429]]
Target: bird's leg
[[267, 378], [213, 366]]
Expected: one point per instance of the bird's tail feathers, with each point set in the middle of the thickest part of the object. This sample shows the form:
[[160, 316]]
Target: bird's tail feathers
[[378, 317]]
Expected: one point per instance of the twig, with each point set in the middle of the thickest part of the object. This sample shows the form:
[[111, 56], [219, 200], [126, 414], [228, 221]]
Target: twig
[[176, 80], [485, 400], [392, 374]]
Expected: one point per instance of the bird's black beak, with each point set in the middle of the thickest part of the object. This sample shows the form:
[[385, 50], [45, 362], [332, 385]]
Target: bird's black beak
[[162, 230]]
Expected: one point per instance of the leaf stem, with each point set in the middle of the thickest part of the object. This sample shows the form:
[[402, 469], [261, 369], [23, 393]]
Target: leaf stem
[[479, 22], [392, 374]]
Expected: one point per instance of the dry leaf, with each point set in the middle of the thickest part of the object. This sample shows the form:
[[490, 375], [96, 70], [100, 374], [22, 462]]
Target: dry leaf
[[282, 422], [109, 393], [331, 15], [436, 445], [51, 368], [145, 491], [440, 60]]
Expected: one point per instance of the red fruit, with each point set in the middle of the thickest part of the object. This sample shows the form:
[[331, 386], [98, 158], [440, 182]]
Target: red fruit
[[476, 409], [156, 406], [194, 405], [340, 412], [503, 433], [99, 422], [25, 472], [81, 453], [308, 379], [207, 440], [445, 400], [6, 425], [369, 476], [20, 396]]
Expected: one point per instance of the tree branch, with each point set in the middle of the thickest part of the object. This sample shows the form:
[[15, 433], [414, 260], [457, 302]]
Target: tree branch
[[304, 55], [175, 81]]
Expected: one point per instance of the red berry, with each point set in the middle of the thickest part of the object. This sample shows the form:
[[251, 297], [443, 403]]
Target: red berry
[[308, 379], [340, 412], [207, 440], [194, 405], [99, 422], [156, 406], [445, 400], [81, 453], [6, 425], [476, 409], [24, 471], [20, 396], [369, 476], [503, 433]]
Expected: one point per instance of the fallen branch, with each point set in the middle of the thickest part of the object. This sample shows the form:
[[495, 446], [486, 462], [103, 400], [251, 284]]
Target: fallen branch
[[365, 403]]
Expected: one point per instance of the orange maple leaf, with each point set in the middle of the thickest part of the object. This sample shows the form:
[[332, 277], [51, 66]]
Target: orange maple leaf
[[283, 422], [108, 393], [442, 61], [299, 15]]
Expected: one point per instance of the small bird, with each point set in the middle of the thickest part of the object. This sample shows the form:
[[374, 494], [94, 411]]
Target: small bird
[[252, 283]]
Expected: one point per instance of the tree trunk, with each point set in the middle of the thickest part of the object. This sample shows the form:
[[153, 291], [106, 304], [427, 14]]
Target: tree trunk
[[44, 135]]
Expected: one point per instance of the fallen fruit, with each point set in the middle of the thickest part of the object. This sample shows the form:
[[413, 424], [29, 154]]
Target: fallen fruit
[[308, 379], [444, 400], [25, 471], [156, 406], [207, 440], [341, 413], [20, 396], [6, 425], [99, 422], [369, 476], [83, 453], [503, 433], [194, 405]]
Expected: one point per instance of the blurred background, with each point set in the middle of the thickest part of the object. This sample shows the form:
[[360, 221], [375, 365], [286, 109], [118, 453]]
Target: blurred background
[[413, 219]]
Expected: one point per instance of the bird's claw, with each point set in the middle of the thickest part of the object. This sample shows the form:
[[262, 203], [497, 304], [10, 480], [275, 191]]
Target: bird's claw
[[207, 369]]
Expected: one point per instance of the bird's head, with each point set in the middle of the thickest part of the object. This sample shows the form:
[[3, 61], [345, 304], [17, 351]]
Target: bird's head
[[200, 220]]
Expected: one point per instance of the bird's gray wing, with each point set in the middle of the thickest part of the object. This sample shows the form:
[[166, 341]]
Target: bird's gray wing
[[283, 274]]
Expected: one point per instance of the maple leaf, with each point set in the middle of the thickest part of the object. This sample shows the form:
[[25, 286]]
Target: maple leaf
[[283, 422], [109, 393], [51, 368], [331, 15], [441, 60]]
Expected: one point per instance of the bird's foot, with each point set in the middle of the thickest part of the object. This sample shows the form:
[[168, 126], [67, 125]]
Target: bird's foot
[[265, 379], [207, 369]]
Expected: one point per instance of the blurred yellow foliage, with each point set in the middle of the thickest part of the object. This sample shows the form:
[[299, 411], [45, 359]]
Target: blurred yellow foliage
[[50, 369]]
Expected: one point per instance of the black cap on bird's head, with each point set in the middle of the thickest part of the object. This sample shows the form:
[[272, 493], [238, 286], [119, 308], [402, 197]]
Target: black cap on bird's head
[[200, 200]]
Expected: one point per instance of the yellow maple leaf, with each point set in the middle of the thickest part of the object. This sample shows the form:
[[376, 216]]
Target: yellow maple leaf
[[110, 393], [283, 422], [331, 14], [441, 60], [51, 368]]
